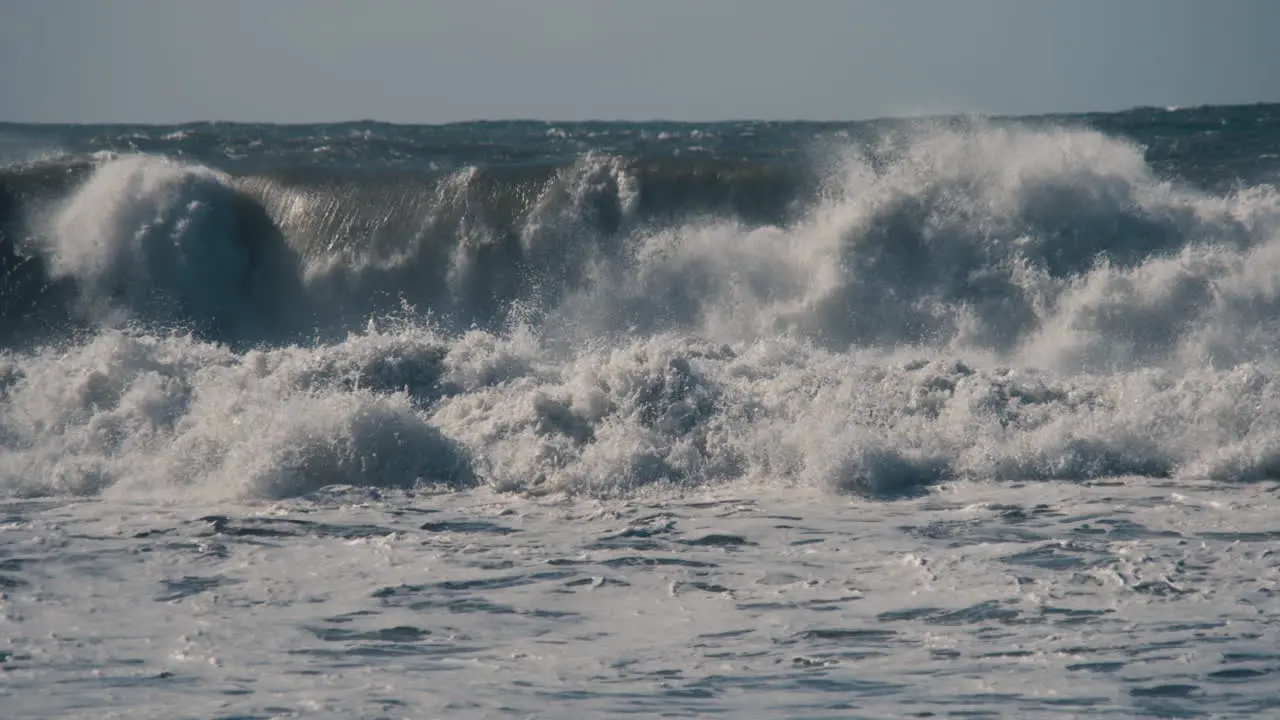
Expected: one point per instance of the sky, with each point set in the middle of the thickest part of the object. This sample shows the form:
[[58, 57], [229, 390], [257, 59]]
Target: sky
[[432, 61]]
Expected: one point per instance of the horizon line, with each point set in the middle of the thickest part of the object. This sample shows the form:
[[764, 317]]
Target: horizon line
[[653, 120]]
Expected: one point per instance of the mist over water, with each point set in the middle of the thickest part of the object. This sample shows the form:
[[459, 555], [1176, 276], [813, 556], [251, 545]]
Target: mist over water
[[963, 301]]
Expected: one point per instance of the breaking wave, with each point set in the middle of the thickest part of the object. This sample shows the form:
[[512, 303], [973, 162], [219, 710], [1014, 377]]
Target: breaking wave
[[978, 302]]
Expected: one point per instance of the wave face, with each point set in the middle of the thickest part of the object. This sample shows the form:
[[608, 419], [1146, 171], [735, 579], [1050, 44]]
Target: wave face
[[876, 309]]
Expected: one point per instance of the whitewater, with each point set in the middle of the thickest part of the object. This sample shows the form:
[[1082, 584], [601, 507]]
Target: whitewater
[[918, 418]]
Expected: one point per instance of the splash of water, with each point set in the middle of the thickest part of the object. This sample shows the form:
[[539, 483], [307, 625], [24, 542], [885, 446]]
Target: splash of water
[[979, 303]]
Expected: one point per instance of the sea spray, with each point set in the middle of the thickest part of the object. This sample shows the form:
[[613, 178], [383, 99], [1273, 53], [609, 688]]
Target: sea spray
[[960, 303]]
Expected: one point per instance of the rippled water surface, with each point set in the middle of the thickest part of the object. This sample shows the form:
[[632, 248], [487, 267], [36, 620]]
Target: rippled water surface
[[1121, 598]]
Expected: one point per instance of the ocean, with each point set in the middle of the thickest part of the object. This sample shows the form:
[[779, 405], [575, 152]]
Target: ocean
[[936, 417]]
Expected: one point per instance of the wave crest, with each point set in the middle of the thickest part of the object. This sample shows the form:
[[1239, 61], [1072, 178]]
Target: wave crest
[[966, 303]]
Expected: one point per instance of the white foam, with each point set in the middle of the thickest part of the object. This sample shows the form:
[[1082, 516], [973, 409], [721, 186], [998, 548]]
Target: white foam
[[151, 239], [985, 303]]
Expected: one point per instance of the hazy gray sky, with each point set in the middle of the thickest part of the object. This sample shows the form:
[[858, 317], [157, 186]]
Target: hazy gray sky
[[437, 61]]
